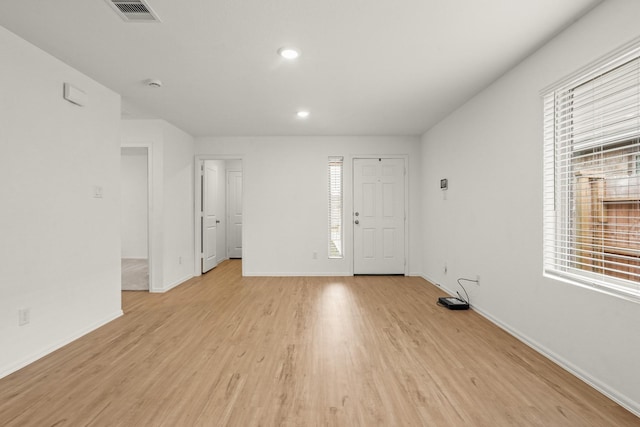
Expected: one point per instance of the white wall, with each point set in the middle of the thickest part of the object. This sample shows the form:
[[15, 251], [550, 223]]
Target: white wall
[[134, 217], [178, 233], [285, 198], [60, 251], [172, 205], [234, 165], [491, 223]]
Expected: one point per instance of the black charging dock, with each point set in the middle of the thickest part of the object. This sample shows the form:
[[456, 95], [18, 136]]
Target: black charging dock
[[453, 303]]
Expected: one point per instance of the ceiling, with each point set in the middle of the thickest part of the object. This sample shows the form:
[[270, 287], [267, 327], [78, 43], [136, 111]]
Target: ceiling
[[368, 67]]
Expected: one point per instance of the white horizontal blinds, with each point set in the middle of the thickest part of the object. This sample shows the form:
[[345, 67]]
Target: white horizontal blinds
[[335, 207], [604, 109], [592, 180]]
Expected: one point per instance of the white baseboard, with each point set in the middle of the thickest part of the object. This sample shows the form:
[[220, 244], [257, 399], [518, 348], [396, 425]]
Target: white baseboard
[[40, 354], [435, 283], [619, 398], [198, 270], [297, 274], [172, 285], [311, 274]]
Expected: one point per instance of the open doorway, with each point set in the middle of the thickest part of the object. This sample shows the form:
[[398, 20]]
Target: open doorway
[[135, 218], [218, 211]]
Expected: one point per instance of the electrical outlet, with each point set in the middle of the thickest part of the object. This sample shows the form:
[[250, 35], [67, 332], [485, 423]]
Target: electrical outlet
[[24, 316], [478, 279], [314, 255]]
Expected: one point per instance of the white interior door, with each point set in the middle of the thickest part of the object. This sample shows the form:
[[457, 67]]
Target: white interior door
[[234, 209], [378, 216], [210, 218]]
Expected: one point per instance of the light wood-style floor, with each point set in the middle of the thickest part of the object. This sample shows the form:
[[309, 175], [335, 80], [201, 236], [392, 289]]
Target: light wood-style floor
[[222, 350]]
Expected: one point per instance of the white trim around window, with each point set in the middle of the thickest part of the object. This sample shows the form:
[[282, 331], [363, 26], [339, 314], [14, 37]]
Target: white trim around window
[[591, 180]]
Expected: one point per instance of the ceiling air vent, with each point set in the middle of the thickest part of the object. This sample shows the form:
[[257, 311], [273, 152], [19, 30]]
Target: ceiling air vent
[[134, 10]]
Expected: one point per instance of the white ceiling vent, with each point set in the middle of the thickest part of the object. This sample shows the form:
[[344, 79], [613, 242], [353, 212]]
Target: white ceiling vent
[[134, 10]]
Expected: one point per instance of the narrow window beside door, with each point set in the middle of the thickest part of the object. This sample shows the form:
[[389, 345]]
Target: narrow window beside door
[[335, 207]]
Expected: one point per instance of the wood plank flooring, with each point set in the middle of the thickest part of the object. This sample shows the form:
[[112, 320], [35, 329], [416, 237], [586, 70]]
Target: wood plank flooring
[[223, 350]]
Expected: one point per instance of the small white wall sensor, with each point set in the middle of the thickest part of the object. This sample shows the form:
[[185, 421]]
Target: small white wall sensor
[[74, 95], [155, 83]]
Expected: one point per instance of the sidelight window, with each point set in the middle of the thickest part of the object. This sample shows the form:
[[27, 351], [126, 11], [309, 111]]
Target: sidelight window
[[335, 208]]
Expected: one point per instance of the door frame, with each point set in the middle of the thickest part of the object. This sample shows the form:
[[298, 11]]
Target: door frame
[[349, 214], [152, 251], [197, 225]]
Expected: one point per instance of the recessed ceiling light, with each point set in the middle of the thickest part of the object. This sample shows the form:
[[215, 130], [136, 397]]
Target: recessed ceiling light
[[302, 114], [288, 52]]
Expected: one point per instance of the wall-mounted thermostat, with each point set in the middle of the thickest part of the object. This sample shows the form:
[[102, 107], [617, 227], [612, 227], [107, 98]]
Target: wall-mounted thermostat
[[444, 184]]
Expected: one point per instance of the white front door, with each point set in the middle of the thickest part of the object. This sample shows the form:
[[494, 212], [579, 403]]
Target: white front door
[[378, 216], [234, 209], [210, 218]]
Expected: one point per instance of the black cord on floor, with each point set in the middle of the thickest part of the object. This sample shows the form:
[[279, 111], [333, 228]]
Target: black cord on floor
[[468, 300]]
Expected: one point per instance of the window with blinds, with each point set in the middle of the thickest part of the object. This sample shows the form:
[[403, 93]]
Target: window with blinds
[[335, 207], [592, 177]]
